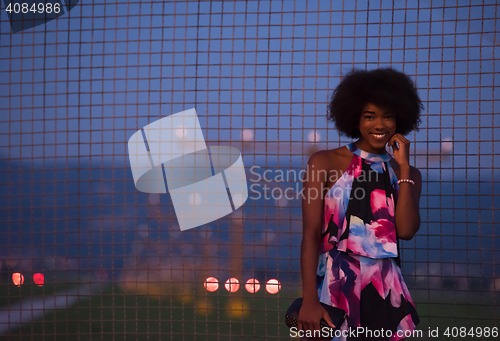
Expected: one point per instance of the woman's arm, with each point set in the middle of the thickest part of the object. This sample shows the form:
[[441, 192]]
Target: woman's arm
[[312, 222], [407, 215]]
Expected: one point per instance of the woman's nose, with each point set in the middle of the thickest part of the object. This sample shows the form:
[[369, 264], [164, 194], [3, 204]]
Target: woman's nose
[[379, 123]]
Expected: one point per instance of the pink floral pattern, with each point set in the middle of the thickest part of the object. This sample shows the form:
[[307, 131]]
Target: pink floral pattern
[[347, 232]]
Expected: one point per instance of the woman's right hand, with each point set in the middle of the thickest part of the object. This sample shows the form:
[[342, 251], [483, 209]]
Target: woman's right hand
[[310, 316]]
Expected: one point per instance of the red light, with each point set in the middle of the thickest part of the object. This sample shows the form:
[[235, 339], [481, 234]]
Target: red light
[[273, 286], [211, 284], [17, 278], [232, 285], [252, 285], [38, 279]]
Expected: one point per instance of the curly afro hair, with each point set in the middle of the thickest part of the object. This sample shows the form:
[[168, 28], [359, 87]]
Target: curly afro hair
[[386, 88]]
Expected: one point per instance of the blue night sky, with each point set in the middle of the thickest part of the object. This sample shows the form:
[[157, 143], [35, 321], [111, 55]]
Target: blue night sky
[[100, 72]]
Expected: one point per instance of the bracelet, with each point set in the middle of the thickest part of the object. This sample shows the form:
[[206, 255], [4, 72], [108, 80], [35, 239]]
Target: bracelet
[[406, 180]]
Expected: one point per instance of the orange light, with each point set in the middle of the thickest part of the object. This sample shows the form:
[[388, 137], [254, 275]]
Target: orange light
[[237, 308], [232, 285], [17, 278], [252, 285], [273, 286], [38, 279], [211, 284]]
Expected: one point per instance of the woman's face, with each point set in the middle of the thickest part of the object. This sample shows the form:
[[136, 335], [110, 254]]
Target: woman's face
[[376, 125]]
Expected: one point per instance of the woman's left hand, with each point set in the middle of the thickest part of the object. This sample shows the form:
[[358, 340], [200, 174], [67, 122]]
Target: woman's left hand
[[401, 153]]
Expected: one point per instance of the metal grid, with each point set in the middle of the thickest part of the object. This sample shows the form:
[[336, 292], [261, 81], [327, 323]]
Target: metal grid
[[259, 74]]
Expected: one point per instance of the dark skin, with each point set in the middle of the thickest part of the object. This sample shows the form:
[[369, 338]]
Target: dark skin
[[378, 129]]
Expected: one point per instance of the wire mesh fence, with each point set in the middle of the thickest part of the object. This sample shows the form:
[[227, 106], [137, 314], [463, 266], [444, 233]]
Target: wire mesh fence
[[85, 254]]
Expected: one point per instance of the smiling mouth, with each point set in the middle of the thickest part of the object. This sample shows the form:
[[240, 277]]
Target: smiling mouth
[[379, 136]]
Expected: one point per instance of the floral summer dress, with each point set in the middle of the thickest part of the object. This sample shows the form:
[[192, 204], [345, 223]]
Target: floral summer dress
[[358, 267]]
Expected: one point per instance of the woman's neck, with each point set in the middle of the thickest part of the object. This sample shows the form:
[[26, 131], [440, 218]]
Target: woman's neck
[[363, 145]]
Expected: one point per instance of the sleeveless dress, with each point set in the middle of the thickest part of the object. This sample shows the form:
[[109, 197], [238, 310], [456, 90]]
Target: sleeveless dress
[[358, 268]]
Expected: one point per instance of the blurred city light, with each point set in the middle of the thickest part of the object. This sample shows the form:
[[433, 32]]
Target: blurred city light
[[252, 285], [17, 278], [314, 136], [39, 279], [273, 286], [447, 145], [211, 284], [237, 308], [247, 135], [232, 284]]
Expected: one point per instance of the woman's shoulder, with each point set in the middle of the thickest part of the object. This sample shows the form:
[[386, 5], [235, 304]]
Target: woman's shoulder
[[331, 158]]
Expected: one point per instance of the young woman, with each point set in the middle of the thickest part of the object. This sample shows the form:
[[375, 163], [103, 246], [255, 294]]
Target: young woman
[[369, 200]]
